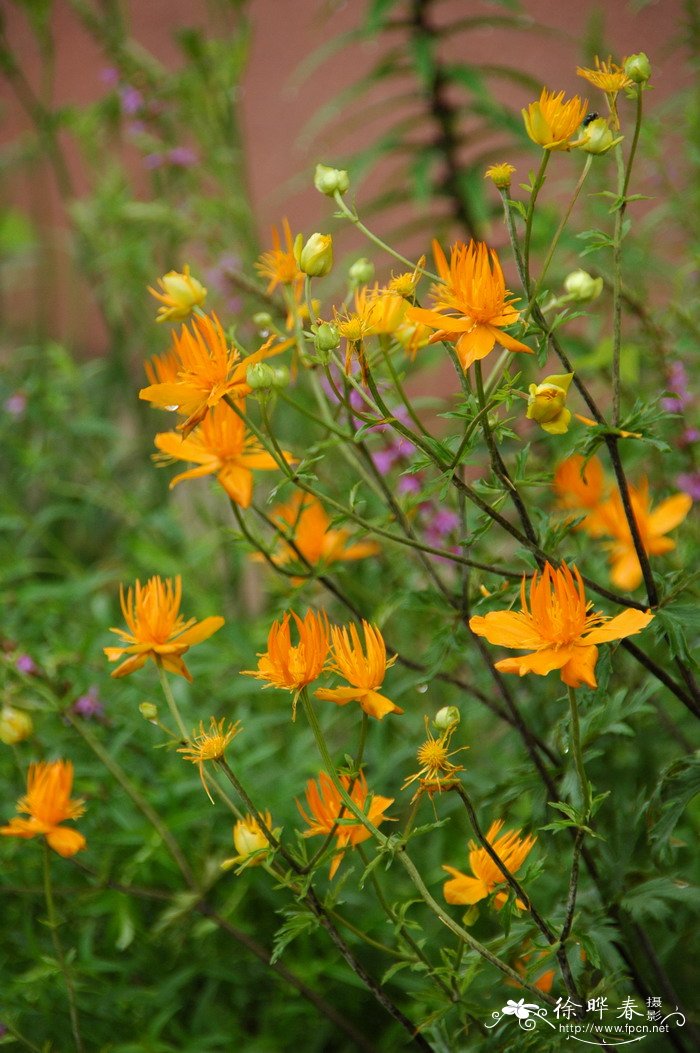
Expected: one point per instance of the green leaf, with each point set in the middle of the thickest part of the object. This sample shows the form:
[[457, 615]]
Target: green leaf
[[298, 922]]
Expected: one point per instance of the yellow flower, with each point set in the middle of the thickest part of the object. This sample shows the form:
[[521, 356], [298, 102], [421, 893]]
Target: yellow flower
[[209, 745], [315, 256], [547, 403], [364, 669], [653, 525], [607, 76], [326, 807], [48, 804], [279, 265], [157, 630], [207, 371], [15, 725], [550, 122], [512, 850], [500, 175], [436, 772], [220, 446], [181, 293], [249, 841], [308, 525], [405, 284], [557, 628], [289, 667], [472, 304]]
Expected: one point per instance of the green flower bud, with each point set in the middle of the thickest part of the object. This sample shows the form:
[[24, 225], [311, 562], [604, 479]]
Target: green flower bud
[[148, 711], [263, 320], [598, 137], [327, 180], [326, 337], [582, 286], [447, 717], [260, 377], [638, 68], [315, 258], [15, 725], [281, 376], [361, 272]]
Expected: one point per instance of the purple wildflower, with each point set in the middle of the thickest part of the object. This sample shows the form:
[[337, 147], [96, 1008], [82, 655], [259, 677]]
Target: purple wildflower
[[89, 706], [16, 404], [182, 156], [27, 665], [689, 483], [109, 76], [152, 161], [131, 100]]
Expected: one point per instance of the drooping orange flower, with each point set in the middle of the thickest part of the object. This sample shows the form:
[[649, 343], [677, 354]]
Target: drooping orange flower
[[326, 806], [279, 264], [180, 294], [580, 486], [157, 630], [289, 667], [48, 804], [220, 446], [512, 850], [607, 76], [308, 525], [550, 122], [556, 627], [207, 371], [472, 304], [653, 525], [364, 669]]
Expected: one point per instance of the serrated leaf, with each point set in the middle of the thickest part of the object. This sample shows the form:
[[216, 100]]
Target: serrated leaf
[[297, 923]]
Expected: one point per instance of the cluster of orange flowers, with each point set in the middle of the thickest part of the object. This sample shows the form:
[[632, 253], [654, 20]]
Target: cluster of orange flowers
[[581, 488]]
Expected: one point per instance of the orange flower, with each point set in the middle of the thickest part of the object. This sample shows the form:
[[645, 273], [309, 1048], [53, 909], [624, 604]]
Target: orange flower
[[221, 447], [512, 850], [363, 669], [308, 526], [607, 76], [550, 122], [48, 804], [207, 371], [279, 265], [326, 807], [556, 628], [580, 486], [157, 630], [653, 525], [163, 369], [293, 668], [472, 303], [209, 745]]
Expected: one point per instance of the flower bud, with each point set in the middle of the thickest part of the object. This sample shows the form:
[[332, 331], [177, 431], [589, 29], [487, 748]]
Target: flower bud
[[248, 837], [327, 180], [327, 337], [260, 377], [582, 286], [598, 137], [500, 175], [15, 725], [180, 294], [638, 68], [361, 272], [281, 376], [148, 710], [262, 319], [315, 258], [447, 717], [547, 403]]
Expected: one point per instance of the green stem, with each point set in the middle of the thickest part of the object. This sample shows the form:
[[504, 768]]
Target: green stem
[[575, 730], [172, 704], [53, 924], [537, 186], [356, 221]]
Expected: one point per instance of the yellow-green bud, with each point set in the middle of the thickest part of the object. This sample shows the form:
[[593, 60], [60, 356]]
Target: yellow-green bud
[[327, 180], [15, 725], [327, 337], [638, 68], [315, 258], [148, 710], [361, 271], [262, 319], [447, 717], [500, 175], [260, 377], [281, 376], [583, 286], [598, 137], [547, 403]]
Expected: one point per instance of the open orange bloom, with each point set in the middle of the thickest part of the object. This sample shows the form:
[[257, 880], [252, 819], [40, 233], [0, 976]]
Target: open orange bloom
[[308, 525], [220, 446], [550, 122], [326, 807], [557, 628], [580, 486], [653, 525], [293, 668], [207, 371], [363, 669], [472, 304], [512, 850], [48, 804], [157, 630], [279, 265], [607, 76]]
